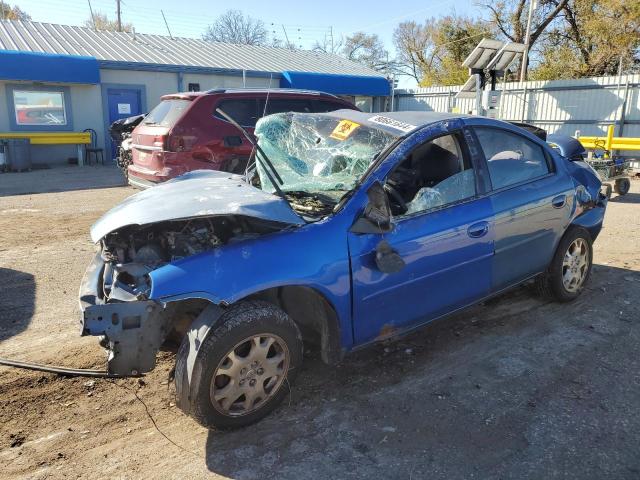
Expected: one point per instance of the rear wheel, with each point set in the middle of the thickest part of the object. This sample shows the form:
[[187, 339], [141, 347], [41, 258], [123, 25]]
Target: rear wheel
[[243, 368], [622, 186], [607, 190], [570, 267]]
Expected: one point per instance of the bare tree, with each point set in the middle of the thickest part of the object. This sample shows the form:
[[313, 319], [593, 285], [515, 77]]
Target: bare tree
[[510, 17], [235, 27], [414, 45], [433, 52], [329, 44], [367, 49]]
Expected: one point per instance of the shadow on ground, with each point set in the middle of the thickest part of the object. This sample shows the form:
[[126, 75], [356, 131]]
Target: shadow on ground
[[517, 388], [628, 198], [17, 302]]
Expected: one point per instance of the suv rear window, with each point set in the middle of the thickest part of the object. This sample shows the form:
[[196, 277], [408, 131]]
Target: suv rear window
[[242, 110], [166, 113], [282, 105]]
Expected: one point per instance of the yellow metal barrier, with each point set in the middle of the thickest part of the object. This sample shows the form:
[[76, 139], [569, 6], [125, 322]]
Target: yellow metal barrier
[[52, 138], [610, 142], [55, 138]]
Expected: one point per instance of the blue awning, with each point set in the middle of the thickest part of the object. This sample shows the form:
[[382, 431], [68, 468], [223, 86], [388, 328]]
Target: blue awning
[[48, 67], [337, 84]]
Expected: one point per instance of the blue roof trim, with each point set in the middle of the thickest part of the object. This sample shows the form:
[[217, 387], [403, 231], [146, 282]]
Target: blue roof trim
[[337, 84], [48, 67]]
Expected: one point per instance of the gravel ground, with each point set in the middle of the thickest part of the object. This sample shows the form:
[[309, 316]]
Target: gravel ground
[[516, 388]]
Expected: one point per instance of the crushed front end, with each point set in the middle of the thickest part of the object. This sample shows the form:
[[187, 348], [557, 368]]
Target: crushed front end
[[115, 293]]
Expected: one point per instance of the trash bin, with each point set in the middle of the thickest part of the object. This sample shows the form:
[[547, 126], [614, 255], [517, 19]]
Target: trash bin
[[19, 154], [4, 156]]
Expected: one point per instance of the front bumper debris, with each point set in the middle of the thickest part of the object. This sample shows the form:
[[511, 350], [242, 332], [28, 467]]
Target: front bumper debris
[[133, 331]]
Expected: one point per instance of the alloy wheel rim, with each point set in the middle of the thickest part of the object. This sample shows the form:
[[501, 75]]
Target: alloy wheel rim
[[575, 265], [249, 375]]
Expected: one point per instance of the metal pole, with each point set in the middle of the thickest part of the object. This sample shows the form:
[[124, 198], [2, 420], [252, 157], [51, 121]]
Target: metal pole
[[619, 86], [624, 107], [524, 103], [119, 15], [286, 37], [166, 24], [93, 18], [525, 54], [2, 9]]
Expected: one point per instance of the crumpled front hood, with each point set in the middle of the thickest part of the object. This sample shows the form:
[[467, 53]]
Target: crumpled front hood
[[196, 194]]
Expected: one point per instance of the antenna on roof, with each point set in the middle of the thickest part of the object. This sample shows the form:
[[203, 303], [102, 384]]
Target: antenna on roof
[[93, 18], [264, 112], [166, 25]]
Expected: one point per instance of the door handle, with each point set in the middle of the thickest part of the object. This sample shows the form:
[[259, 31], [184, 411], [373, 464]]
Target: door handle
[[559, 201], [478, 230]]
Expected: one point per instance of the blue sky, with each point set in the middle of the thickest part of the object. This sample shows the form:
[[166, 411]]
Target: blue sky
[[304, 22]]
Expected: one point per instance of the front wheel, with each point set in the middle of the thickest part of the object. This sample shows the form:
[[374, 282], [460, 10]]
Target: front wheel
[[570, 267], [243, 368]]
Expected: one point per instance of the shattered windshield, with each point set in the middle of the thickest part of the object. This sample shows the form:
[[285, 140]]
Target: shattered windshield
[[317, 153]]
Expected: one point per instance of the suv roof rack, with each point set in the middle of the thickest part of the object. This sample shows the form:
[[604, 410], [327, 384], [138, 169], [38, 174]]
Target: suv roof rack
[[265, 90]]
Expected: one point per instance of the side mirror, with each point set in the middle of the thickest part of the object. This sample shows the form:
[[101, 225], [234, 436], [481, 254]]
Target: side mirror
[[376, 217]]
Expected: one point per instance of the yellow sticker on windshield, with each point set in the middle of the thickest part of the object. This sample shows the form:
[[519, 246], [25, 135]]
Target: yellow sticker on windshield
[[344, 129]]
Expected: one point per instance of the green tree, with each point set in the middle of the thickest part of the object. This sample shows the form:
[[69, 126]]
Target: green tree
[[101, 21], [13, 13], [433, 52], [592, 37]]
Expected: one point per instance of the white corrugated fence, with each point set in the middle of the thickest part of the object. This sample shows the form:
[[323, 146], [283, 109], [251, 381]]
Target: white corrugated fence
[[589, 105]]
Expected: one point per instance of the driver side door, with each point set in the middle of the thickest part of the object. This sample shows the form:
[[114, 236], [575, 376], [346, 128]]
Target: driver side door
[[446, 245]]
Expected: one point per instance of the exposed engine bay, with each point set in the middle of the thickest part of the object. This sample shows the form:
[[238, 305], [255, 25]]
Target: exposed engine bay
[[133, 251]]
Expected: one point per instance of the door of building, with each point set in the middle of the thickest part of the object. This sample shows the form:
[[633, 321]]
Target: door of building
[[122, 103]]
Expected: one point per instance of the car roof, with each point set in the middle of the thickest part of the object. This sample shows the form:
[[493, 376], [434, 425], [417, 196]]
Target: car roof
[[244, 91], [396, 123]]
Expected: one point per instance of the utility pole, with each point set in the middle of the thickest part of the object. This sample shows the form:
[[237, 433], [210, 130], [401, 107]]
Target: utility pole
[[119, 15], [525, 55], [1, 10], [166, 24], [93, 18], [286, 37]]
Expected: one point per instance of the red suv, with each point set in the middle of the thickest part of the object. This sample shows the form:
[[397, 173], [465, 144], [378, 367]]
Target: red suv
[[185, 133]]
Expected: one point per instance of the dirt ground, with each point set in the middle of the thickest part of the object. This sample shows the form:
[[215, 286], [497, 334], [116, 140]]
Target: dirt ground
[[516, 388]]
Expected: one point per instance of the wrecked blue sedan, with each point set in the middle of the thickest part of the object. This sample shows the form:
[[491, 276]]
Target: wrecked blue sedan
[[348, 228]]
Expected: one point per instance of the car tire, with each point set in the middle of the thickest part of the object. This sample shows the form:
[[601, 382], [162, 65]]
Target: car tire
[[622, 186], [570, 267], [254, 349]]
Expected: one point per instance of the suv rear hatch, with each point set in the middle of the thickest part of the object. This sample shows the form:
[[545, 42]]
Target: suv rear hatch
[[150, 137]]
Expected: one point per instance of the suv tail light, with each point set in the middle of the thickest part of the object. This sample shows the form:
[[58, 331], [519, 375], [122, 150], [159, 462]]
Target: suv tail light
[[160, 141], [178, 143]]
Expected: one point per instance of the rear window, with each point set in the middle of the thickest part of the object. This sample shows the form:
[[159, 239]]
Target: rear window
[[282, 105], [322, 106], [167, 113], [242, 110], [247, 111]]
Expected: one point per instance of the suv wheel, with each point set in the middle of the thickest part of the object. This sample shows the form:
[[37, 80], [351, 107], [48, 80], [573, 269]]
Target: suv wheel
[[570, 268], [243, 368]]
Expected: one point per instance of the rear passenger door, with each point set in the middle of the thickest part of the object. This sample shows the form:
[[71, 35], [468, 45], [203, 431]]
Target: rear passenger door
[[531, 203]]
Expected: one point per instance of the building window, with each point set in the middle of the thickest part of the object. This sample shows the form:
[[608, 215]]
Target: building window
[[194, 87], [39, 107]]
